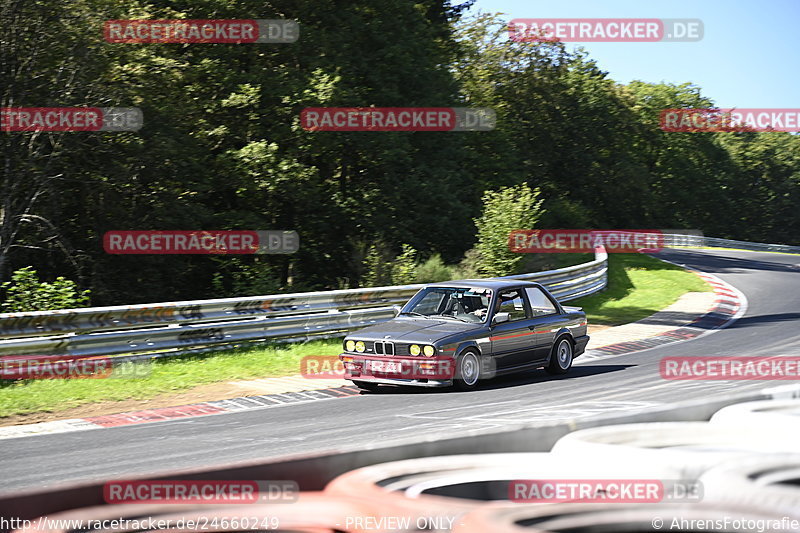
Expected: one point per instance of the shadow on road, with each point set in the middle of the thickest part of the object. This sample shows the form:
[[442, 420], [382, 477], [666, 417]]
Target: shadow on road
[[504, 382], [709, 262], [764, 319]]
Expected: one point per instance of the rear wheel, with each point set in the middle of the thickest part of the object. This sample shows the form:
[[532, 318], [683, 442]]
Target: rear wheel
[[468, 371], [366, 385], [561, 358]]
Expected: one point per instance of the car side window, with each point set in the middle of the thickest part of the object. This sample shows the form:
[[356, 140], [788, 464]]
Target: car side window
[[540, 303], [511, 302]]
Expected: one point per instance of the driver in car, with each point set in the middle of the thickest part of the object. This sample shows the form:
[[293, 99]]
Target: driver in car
[[481, 313], [483, 310]]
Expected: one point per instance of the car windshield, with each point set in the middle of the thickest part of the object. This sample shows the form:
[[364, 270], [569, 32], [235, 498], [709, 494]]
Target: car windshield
[[458, 303]]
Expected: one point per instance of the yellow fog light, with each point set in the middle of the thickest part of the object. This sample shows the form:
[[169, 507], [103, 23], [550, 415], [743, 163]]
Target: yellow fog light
[[360, 347], [428, 351], [350, 346], [414, 349]]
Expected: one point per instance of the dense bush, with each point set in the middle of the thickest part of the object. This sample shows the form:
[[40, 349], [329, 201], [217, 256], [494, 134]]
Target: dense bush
[[504, 210], [26, 293]]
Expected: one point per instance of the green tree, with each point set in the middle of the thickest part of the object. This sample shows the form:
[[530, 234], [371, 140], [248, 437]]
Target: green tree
[[504, 210], [26, 293], [690, 174], [765, 187], [562, 127], [382, 267], [404, 266], [432, 270], [377, 266]]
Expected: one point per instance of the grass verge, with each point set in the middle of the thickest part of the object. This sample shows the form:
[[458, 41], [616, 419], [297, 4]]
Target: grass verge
[[638, 287], [172, 375]]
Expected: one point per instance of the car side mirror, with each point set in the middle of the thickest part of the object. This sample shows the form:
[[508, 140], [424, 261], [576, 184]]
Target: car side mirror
[[396, 309], [501, 317]]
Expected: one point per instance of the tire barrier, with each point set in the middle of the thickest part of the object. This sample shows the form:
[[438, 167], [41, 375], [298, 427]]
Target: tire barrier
[[495, 484], [311, 513], [742, 475], [389, 481], [764, 480], [691, 447], [463, 482], [768, 414], [604, 518]]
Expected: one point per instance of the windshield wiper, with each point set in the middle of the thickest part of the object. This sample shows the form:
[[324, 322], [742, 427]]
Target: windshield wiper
[[451, 316], [413, 313]]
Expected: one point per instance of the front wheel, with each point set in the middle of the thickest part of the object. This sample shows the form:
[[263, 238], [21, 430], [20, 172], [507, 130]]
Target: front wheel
[[366, 385], [561, 359], [468, 371]]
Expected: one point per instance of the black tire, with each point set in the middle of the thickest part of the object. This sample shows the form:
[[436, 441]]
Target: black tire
[[366, 385], [469, 362], [562, 356]]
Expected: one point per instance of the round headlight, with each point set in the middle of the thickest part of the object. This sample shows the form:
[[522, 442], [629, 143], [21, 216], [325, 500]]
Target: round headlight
[[350, 346], [428, 351], [414, 349], [360, 347]]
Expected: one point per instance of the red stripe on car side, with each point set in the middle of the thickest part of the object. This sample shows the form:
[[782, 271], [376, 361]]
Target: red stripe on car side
[[517, 335]]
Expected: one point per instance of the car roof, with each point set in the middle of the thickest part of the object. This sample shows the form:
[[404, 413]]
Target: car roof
[[495, 283]]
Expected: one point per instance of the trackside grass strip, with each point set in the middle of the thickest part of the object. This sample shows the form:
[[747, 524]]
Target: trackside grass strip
[[171, 375], [639, 286]]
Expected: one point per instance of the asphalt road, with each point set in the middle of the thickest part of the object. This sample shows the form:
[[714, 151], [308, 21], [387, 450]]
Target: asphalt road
[[771, 326]]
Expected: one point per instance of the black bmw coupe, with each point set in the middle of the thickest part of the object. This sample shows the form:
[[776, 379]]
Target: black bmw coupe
[[457, 333]]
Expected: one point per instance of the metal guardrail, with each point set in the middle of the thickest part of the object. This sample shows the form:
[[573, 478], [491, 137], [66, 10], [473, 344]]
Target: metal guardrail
[[713, 242], [172, 328], [675, 240]]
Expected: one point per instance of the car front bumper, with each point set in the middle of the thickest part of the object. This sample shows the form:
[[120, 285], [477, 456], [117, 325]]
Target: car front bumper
[[409, 382], [400, 370]]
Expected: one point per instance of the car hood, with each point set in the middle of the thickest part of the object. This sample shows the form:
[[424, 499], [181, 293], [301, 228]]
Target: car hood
[[414, 330]]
